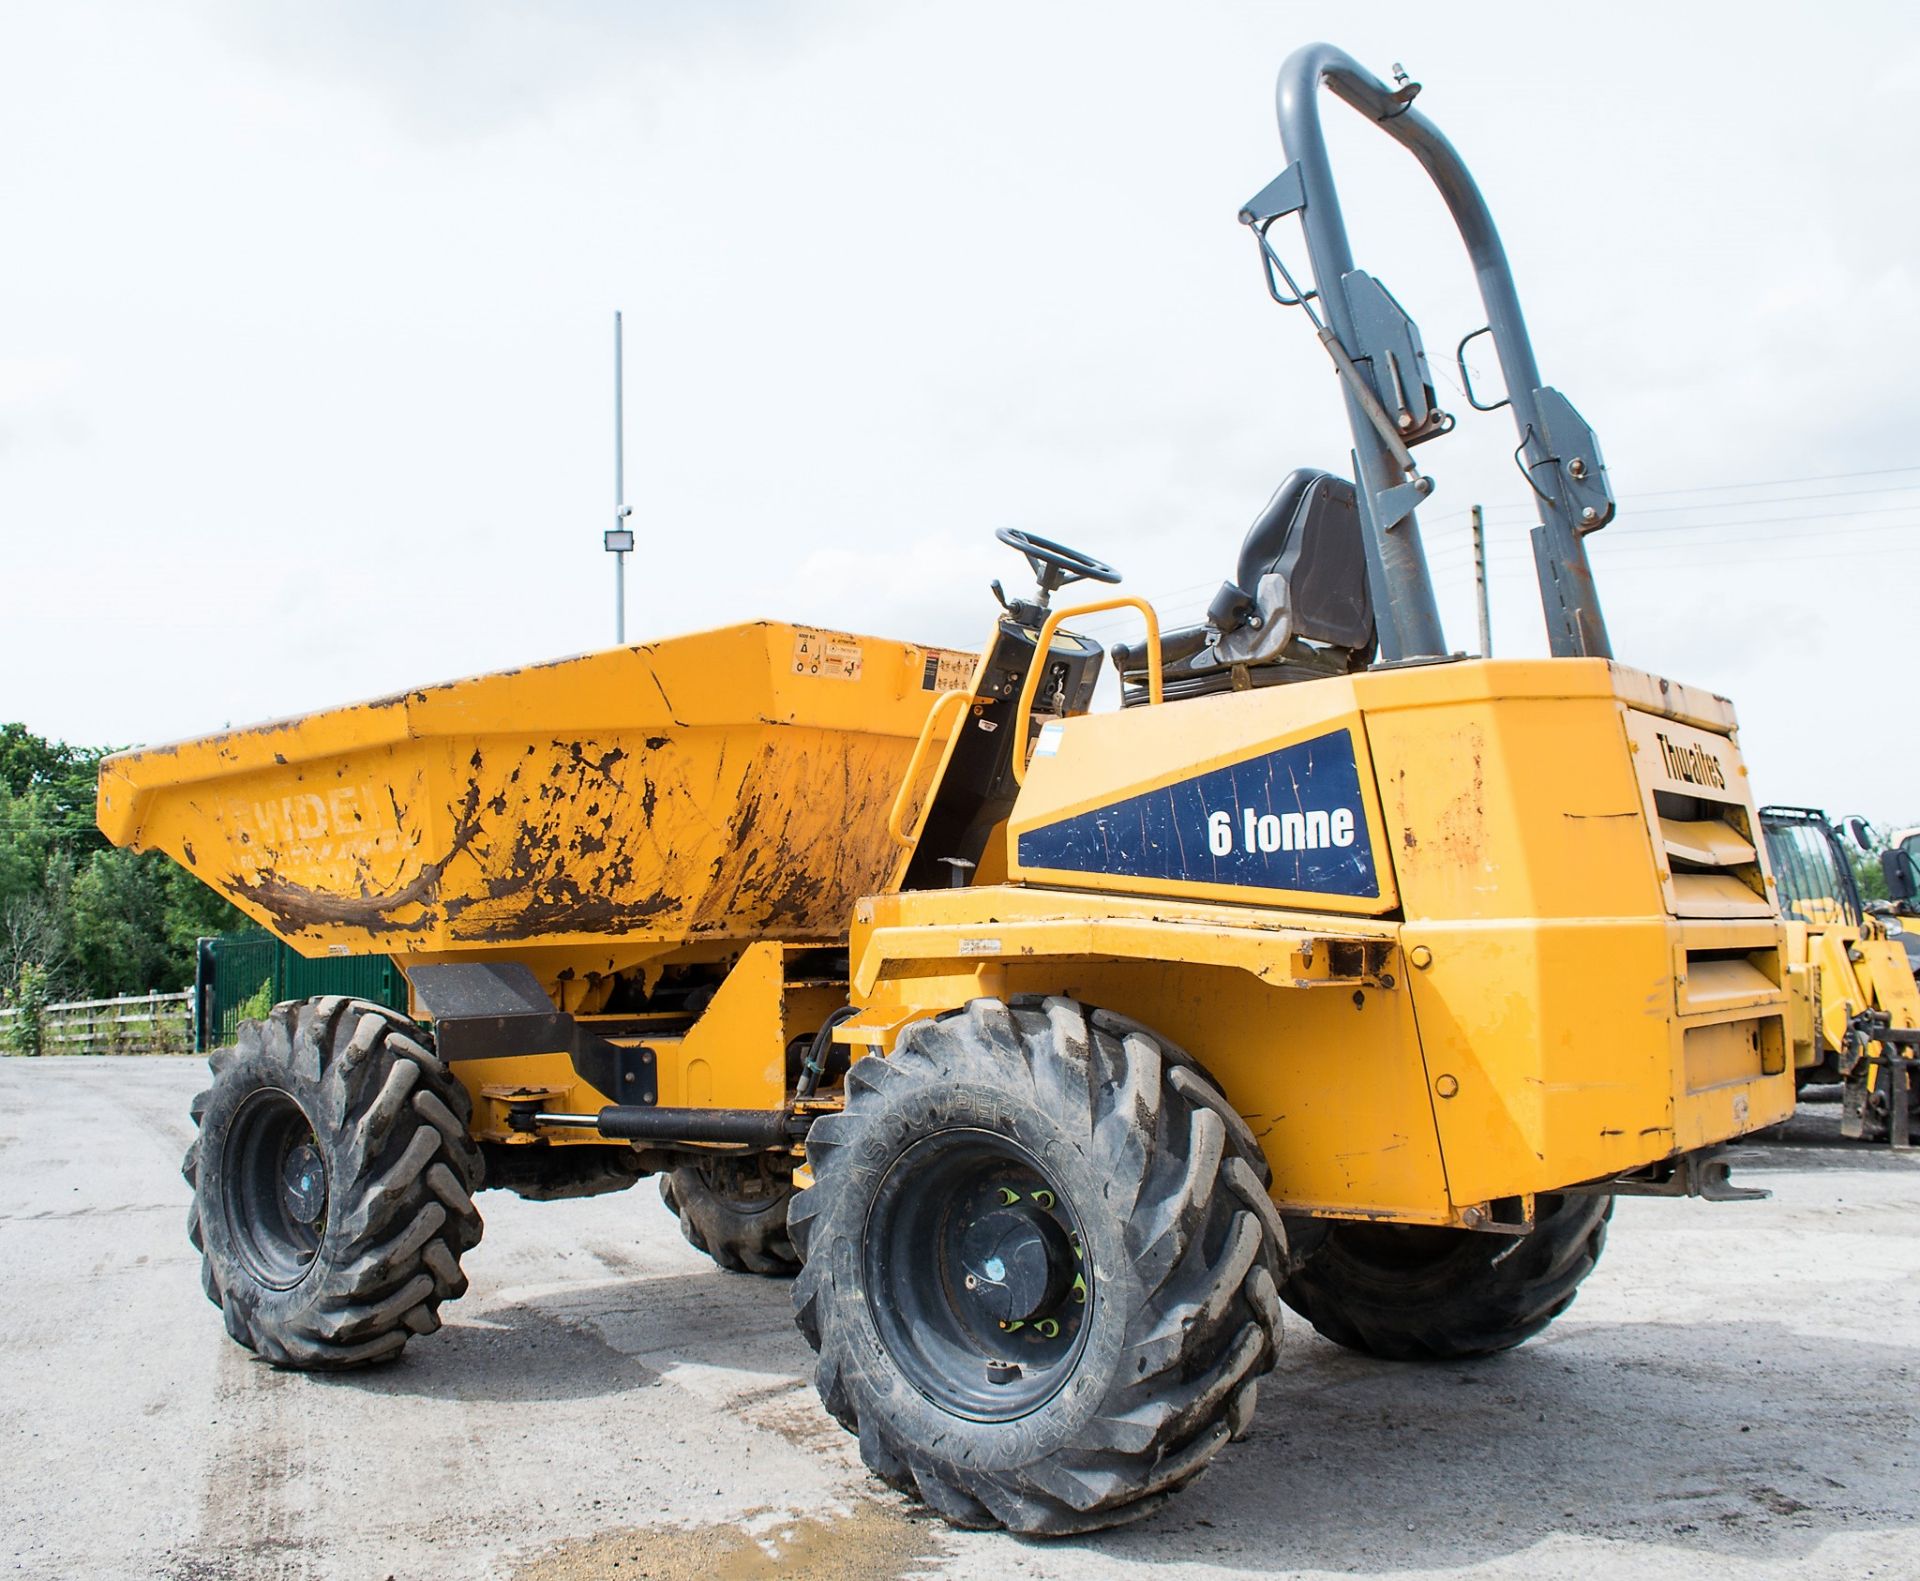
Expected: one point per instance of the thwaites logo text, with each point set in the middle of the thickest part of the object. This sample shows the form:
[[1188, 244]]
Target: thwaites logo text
[[1691, 764], [1290, 819]]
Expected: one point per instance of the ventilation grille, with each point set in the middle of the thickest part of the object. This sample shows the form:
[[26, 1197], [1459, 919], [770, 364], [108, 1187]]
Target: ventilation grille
[[1717, 978], [1713, 868], [1701, 820]]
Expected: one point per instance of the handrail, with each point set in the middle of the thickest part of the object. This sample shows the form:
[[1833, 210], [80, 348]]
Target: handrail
[[1023, 714], [896, 819]]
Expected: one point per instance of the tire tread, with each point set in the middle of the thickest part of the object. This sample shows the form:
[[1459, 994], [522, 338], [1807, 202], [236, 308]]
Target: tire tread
[[401, 1177], [1180, 1165], [1486, 1295]]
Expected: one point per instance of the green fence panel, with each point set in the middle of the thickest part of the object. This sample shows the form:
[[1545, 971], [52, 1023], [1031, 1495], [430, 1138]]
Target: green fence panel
[[240, 976]]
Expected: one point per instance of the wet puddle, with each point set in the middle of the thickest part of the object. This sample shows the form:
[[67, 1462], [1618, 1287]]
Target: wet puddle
[[872, 1543]]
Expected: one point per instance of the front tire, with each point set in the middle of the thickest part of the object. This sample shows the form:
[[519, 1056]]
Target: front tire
[[1041, 1267], [333, 1182], [1409, 1293]]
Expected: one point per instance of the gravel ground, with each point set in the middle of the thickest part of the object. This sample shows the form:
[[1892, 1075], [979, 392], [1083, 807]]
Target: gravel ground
[[1736, 1393]]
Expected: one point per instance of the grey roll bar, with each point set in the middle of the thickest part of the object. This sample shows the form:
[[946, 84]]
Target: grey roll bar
[[1558, 452]]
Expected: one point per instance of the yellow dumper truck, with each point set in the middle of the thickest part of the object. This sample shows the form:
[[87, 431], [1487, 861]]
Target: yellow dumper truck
[[1056, 1051]]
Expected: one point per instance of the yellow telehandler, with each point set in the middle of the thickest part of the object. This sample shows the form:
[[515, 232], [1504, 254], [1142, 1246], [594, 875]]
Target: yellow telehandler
[[1855, 1004], [1056, 1050]]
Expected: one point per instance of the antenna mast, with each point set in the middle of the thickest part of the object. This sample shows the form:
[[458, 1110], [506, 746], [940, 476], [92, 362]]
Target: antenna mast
[[619, 537]]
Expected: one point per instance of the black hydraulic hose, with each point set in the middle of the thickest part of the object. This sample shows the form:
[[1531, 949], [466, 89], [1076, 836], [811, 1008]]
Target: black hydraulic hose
[[819, 1051]]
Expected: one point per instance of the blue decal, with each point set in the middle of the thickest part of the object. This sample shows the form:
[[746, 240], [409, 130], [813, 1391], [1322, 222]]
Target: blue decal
[[1290, 819]]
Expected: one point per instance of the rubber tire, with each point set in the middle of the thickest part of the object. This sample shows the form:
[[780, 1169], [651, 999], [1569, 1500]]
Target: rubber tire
[[1410, 1293], [1169, 1188], [743, 1234], [390, 1123]]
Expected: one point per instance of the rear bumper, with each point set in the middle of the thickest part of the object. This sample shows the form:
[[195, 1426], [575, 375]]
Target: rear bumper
[[1575, 1050]]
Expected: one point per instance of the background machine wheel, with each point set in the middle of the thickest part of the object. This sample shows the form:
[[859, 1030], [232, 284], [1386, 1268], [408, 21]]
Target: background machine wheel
[[1042, 1266], [333, 1183], [735, 1210], [1409, 1293]]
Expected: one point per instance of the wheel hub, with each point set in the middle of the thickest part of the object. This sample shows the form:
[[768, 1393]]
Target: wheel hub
[[975, 1274], [1018, 1262], [303, 1184], [273, 1189]]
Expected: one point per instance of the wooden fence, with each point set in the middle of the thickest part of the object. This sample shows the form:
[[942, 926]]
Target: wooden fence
[[133, 1024]]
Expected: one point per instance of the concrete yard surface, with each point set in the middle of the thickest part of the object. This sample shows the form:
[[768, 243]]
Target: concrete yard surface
[[1736, 1393]]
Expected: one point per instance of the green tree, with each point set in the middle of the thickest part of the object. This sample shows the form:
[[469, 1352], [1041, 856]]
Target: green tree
[[27, 759], [26, 1034], [90, 921], [34, 875], [27, 840], [1867, 871], [59, 779], [1867, 874], [118, 914], [193, 912]]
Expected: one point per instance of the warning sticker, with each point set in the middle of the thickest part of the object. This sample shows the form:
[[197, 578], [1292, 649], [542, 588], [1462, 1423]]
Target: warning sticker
[[947, 671], [821, 653]]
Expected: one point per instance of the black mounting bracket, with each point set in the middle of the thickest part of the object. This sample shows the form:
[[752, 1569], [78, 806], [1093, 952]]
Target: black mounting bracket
[[498, 1010], [626, 1075]]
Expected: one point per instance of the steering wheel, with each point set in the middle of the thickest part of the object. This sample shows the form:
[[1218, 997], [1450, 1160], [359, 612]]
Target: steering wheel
[[1054, 564]]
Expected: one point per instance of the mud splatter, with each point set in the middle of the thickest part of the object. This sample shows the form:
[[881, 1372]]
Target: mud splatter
[[296, 907]]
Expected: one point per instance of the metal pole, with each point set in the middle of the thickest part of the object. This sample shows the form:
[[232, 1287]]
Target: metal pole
[[1480, 581], [619, 489]]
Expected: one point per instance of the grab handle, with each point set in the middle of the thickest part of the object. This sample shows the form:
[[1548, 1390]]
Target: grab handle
[[897, 818], [1022, 715]]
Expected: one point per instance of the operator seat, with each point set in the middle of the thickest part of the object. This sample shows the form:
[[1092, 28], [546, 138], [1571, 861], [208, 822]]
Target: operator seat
[[1297, 606]]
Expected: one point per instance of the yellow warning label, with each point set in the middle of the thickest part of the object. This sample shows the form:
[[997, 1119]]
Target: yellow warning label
[[822, 653]]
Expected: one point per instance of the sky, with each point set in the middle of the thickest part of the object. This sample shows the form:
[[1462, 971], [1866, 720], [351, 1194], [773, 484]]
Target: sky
[[305, 333]]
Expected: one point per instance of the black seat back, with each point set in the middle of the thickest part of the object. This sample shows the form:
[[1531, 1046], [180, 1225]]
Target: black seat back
[[1310, 534], [1298, 606]]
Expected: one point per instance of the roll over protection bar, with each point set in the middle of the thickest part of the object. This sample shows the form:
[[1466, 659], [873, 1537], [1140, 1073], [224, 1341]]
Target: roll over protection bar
[[1558, 453]]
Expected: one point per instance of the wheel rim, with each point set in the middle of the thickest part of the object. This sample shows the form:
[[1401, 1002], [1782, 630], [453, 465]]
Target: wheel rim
[[975, 1275], [744, 1194], [275, 1189]]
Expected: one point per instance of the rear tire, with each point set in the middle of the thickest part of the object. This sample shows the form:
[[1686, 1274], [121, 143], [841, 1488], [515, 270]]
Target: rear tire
[[333, 1182], [735, 1210], [1042, 1267], [1409, 1293]]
